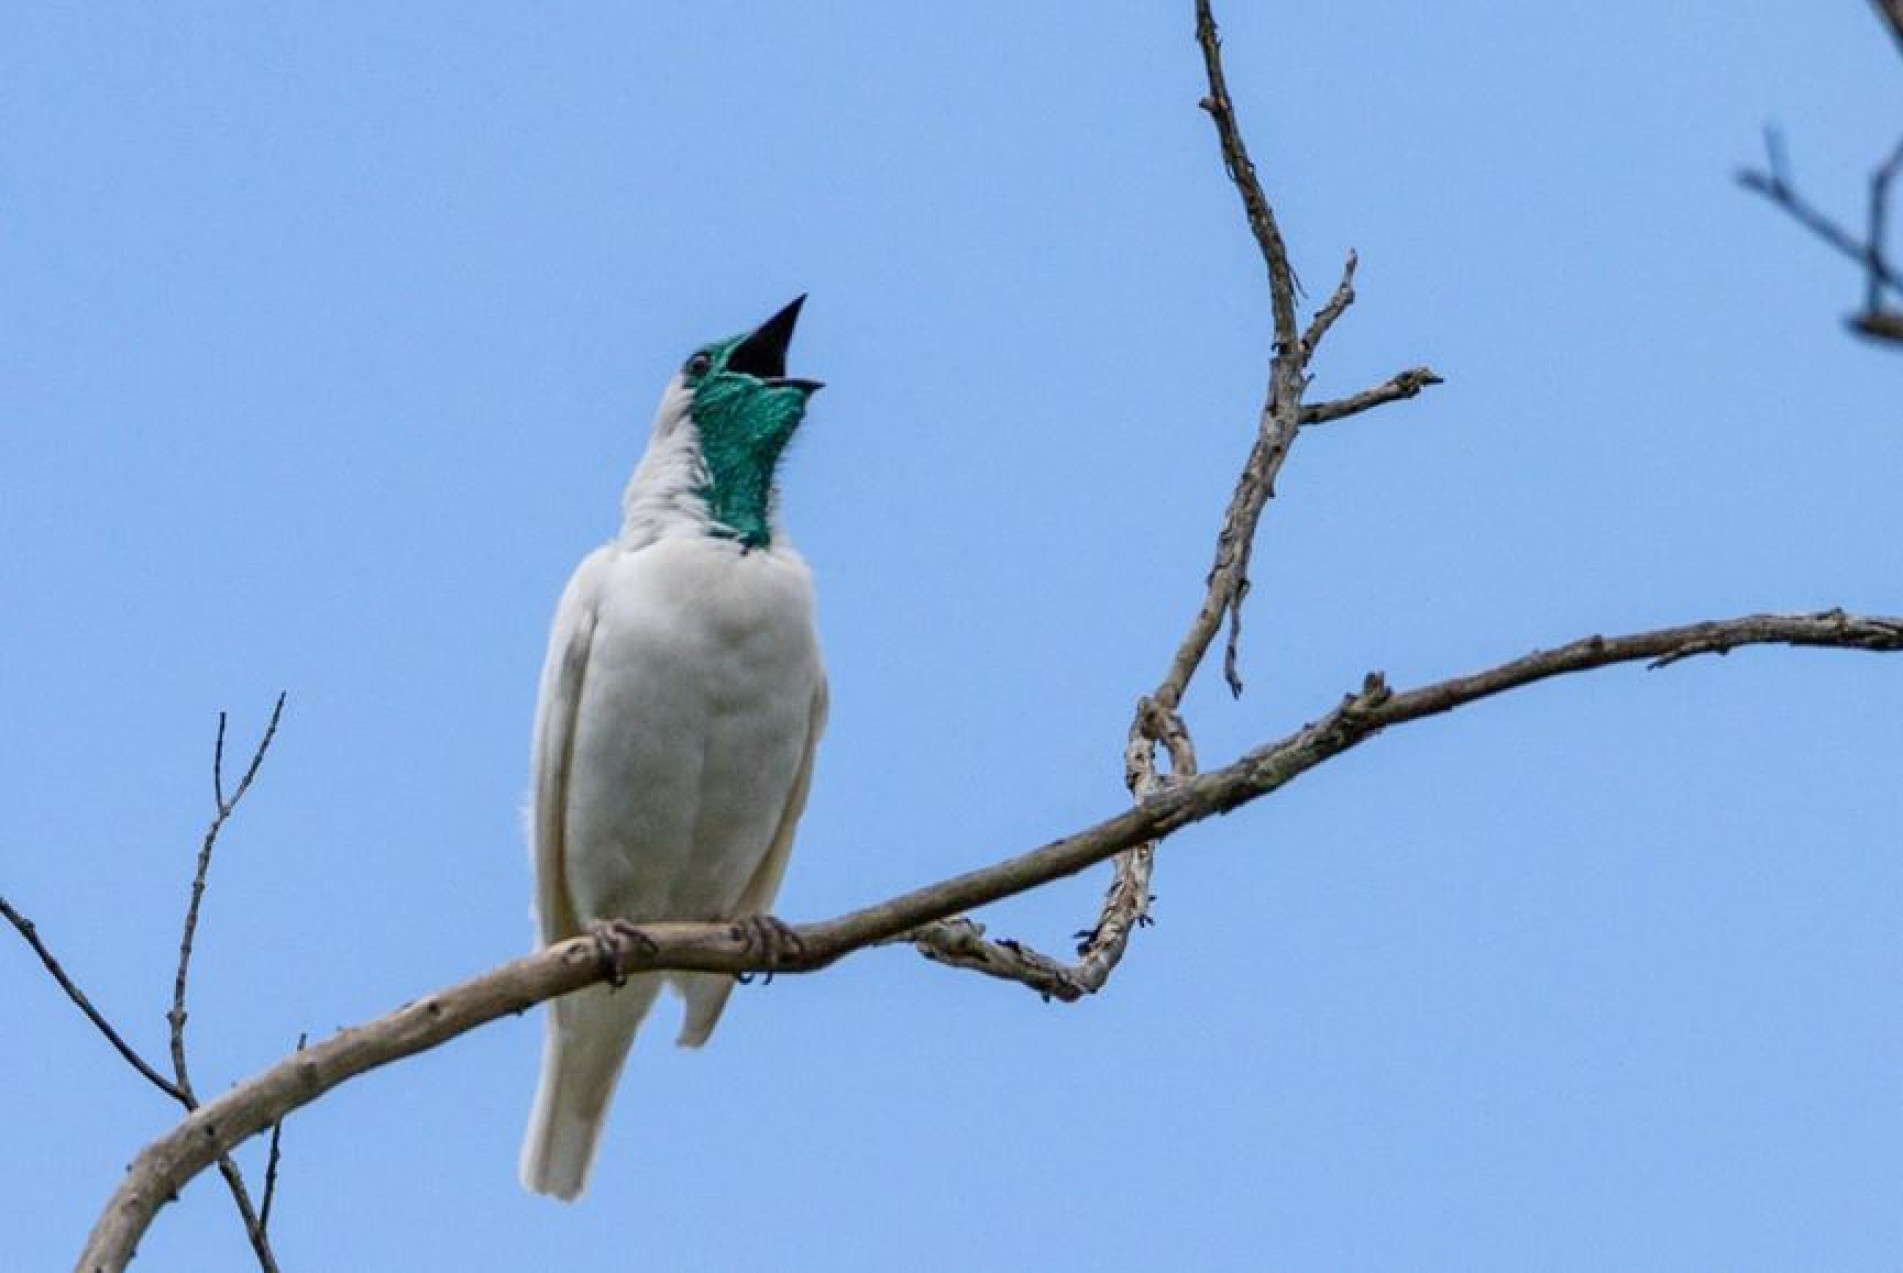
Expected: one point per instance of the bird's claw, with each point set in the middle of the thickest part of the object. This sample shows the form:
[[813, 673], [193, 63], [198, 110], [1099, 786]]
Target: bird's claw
[[615, 940], [769, 939]]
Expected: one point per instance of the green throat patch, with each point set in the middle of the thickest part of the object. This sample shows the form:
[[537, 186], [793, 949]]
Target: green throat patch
[[745, 424]]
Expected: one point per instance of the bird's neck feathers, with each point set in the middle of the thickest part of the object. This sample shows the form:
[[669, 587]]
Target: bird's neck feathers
[[664, 495], [709, 468]]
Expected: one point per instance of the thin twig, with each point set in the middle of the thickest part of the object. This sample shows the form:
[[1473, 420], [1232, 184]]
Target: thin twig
[[181, 976], [1879, 228], [176, 1017], [1241, 170], [28, 930], [1337, 306], [179, 1087], [270, 1178], [1405, 384], [1281, 414], [183, 1091], [165, 1166], [1811, 219], [271, 1161], [1777, 185], [247, 1214], [218, 767]]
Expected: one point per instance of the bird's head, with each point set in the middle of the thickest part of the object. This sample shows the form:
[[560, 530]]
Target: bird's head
[[745, 409]]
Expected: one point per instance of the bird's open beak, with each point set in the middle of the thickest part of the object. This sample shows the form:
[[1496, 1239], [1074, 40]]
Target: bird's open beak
[[763, 353]]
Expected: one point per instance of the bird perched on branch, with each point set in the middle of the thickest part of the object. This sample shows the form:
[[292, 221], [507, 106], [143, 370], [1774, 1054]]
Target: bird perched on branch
[[681, 701]]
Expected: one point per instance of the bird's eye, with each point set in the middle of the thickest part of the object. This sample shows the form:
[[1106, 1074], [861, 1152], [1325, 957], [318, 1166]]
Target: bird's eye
[[698, 366]]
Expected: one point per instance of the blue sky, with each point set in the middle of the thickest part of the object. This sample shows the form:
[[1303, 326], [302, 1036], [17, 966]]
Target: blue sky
[[328, 339]]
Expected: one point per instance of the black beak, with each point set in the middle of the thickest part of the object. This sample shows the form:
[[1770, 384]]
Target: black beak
[[763, 353]]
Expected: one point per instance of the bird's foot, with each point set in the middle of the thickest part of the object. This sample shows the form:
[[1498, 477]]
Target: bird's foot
[[768, 939], [615, 941]]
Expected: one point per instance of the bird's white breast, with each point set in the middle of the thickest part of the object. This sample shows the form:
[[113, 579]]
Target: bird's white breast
[[694, 717]]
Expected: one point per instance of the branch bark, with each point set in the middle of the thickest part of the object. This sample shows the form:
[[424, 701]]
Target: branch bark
[[1281, 413], [164, 1167], [1401, 385], [961, 942], [179, 1086]]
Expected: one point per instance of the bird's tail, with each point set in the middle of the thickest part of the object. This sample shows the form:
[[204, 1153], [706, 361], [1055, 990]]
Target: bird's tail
[[705, 994], [589, 1033]]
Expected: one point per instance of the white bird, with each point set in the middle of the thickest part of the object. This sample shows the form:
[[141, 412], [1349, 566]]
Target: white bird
[[681, 702]]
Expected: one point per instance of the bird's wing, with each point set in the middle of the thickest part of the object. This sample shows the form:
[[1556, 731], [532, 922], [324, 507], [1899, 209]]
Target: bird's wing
[[564, 676], [706, 993], [765, 884]]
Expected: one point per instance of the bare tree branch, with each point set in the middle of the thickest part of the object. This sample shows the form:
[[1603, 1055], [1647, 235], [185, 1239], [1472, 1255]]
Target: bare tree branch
[[28, 930], [1337, 306], [1891, 12], [1405, 384], [1235, 158], [247, 1214], [220, 815], [1281, 413], [254, 1223], [1877, 320], [164, 1167], [271, 1161], [1873, 262], [179, 1087], [1887, 326], [961, 942], [1775, 185]]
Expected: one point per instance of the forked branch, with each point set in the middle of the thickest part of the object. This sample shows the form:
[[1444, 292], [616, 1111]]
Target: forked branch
[[1880, 318], [164, 1167], [960, 941], [179, 1086]]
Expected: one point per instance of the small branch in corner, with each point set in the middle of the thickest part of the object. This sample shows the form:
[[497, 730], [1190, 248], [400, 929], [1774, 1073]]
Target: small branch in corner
[[1874, 265], [179, 1086], [1890, 12], [1883, 284]]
